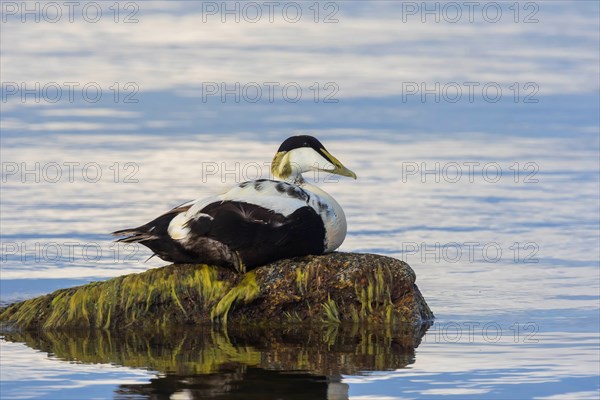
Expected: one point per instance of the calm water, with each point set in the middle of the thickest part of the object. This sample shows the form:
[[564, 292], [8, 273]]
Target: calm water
[[494, 204]]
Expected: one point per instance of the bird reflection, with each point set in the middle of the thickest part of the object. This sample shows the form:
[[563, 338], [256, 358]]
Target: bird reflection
[[248, 383]]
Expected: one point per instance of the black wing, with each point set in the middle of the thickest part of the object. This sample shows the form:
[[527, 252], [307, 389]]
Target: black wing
[[258, 235]]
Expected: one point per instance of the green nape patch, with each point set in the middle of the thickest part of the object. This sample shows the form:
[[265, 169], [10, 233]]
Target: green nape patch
[[328, 289]]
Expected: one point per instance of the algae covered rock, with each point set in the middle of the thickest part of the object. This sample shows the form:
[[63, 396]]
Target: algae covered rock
[[331, 288]]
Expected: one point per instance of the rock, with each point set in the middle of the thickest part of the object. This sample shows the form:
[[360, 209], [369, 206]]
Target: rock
[[332, 288]]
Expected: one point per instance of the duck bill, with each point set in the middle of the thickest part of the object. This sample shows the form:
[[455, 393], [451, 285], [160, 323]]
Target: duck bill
[[343, 171], [338, 168]]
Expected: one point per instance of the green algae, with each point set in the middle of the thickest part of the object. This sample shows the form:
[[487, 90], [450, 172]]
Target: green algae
[[329, 289], [123, 301], [246, 291]]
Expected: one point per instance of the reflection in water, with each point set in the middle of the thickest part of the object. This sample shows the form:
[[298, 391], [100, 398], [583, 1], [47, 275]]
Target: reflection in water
[[240, 383], [253, 363]]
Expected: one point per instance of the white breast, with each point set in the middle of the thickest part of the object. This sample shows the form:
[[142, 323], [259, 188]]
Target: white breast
[[332, 214]]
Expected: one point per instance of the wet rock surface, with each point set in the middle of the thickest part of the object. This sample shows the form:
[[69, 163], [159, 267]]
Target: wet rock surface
[[329, 289]]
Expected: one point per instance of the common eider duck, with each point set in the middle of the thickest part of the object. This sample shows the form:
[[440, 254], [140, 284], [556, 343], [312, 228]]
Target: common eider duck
[[255, 222]]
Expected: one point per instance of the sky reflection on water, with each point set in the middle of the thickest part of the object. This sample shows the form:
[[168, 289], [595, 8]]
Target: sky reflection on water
[[521, 251]]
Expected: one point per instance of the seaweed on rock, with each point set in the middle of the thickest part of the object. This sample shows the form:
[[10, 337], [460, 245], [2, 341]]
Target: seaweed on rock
[[330, 289]]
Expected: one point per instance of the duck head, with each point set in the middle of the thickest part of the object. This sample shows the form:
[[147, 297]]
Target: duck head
[[304, 153]]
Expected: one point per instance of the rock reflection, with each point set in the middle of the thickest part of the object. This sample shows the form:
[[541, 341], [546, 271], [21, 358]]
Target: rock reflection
[[296, 362]]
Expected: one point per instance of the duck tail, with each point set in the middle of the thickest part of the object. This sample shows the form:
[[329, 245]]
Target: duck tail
[[136, 235]]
